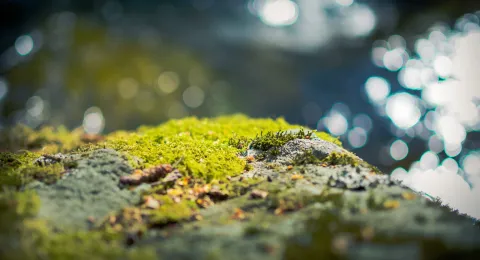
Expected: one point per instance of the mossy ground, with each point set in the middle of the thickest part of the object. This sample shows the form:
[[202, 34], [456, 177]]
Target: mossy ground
[[23, 236], [209, 210], [204, 149]]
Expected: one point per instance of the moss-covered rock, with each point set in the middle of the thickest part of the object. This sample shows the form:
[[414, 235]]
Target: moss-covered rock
[[227, 187]]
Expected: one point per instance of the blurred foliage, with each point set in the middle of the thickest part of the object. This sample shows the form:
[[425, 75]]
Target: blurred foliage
[[88, 67]]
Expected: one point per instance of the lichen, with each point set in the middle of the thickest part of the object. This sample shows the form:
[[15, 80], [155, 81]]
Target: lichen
[[22, 236]]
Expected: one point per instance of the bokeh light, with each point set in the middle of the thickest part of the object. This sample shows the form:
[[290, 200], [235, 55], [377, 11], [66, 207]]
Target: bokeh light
[[24, 45], [471, 163], [168, 82], [93, 121], [128, 88], [398, 150], [344, 2], [377, 89], [336, 123], [364, 121], [403, 110], [279, 12], [193, 96], [429, 161], [441, 68], [357, 137], [360, 20]]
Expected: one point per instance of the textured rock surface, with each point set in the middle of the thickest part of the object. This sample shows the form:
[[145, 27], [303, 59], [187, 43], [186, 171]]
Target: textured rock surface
[[91, 190], [332, 212], [323, 206]]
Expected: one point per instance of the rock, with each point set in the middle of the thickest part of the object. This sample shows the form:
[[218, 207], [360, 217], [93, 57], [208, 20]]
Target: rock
[[276, 208], [298, 147], [258, 194], [90, 190]]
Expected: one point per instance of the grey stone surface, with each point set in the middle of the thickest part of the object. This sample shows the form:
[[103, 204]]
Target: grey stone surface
[[335, 207], [90, 190], [297, 147], [325, 212]]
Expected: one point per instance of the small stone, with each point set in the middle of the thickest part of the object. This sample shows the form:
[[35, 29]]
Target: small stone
[[258, 194], [152, 203], [172, 177], [216, 193]]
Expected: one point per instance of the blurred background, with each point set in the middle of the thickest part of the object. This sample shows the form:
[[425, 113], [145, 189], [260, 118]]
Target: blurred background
[[396, 80]]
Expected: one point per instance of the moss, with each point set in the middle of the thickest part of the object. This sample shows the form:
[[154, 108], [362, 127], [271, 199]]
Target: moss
[[47, 139], [170, 211], [349, 158], [379, 201], [341, 159], [271, 141], [329, 138], [22, 236], [17, 169], [209, 147], [177, 202], [330, 236], [281, 200], [306, 158], [333, 159]]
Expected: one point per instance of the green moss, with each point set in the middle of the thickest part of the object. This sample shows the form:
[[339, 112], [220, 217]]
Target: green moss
[[335, 158], [170, 211], [329, 138], [349, 158], [274, 140], [306, 158], [209, 147], [282, 200], [17, 169], [342, 159]]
